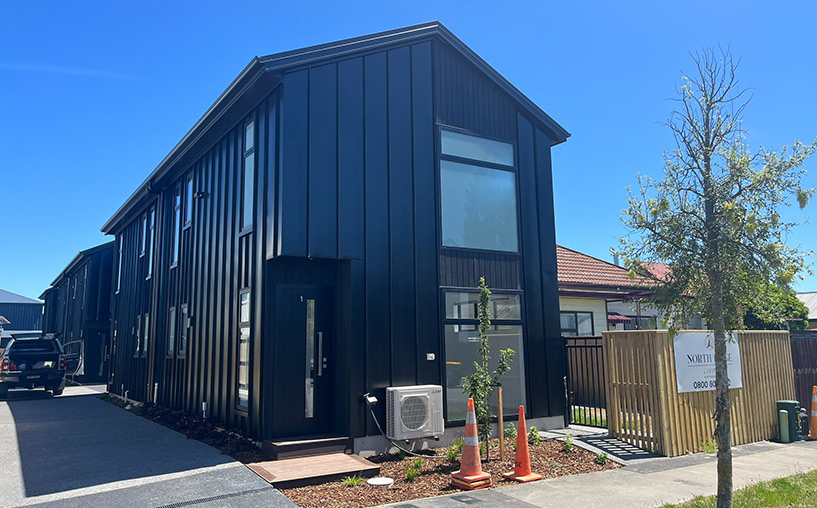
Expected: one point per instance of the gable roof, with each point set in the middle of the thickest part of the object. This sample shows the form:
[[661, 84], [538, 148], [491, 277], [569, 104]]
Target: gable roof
[[810, 300], [265, 72], [9, 297], [580, 272]]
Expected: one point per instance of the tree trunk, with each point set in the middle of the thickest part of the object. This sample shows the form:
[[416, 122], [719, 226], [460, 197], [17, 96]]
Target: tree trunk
[[723, 424]]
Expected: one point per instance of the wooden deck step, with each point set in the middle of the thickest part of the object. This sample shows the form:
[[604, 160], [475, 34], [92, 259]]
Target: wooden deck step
[[313, 470], [296, 447]]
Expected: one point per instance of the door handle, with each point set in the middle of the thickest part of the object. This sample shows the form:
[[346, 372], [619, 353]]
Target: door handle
[[320, 353]]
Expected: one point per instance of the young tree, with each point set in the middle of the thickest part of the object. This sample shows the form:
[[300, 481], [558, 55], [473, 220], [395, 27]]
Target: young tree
[[481, 383], [716, 219]]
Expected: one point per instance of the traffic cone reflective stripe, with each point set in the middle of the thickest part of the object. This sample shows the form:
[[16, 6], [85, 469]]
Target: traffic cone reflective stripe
[[521, 470], [470, 476], [812, 433]]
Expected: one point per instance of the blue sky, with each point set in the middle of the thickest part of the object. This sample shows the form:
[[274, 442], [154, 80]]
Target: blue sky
[[94, 94]]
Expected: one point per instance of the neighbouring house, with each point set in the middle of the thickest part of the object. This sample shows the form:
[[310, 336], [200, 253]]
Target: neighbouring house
[[20, 313], [597, 296], [77, 311], [320, 232], [809, 299]]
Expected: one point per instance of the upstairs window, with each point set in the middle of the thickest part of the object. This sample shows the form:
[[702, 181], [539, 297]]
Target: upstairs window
[[478, 193], [248, 176], [144, 235], [177, 215], [188, 200], [151, 239], [119, 267]]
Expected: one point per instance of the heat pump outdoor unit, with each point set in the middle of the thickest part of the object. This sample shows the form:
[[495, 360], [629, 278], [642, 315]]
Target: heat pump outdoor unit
[[414, 412]]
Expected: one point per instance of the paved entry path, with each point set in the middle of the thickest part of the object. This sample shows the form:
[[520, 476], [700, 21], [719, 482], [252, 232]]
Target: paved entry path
[[79, 451], [642, 482]]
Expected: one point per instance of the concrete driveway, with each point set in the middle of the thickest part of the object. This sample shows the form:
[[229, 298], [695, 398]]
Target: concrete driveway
[[76, 450]]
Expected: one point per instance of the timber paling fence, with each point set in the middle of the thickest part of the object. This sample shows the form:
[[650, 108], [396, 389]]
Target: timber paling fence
[[804, 358], [645, 409]]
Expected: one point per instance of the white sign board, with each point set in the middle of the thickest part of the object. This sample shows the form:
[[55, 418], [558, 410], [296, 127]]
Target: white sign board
[[695, 361]]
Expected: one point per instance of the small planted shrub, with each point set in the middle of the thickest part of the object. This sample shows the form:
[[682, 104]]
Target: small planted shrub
[[534, 439], [567, 444], [601, 459], [709, 445], [414, 469], [353, 481], [510, 431], [454, 451]]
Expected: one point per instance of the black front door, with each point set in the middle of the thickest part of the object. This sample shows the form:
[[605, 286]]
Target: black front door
[[302, 363]]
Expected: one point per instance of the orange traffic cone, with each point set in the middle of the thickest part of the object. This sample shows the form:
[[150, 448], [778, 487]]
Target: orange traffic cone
[[470, 476], [812, 431], [521, 468]]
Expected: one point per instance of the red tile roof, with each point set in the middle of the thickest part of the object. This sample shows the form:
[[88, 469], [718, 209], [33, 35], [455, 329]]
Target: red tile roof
[[577, 269]]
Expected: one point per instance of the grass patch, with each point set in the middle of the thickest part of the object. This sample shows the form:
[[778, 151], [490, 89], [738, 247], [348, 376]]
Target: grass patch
[[709, 445], [588, 417], [353, 481], [793, 491]]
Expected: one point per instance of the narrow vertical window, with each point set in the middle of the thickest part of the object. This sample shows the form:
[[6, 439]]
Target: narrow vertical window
[[74, 296], [119, 267], [171, 332], [84, 286], [244, 348], [146, 335], [177, 212], [185, 325], [138, 334], [188, 200], [248, 180], [152, 236], [144, 235]]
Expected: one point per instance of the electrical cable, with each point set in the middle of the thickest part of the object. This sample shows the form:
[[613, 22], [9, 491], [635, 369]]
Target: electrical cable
[[407, 452]]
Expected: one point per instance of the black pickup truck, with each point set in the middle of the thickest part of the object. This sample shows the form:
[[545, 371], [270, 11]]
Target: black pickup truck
[[32, 363]]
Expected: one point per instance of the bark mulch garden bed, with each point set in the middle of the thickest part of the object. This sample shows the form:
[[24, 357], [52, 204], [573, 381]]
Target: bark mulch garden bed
[[548, 459]]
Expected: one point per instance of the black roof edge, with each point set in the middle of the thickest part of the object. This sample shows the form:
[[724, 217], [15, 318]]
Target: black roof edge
[[303, 56], [280, 61], [81, 254], [244, 79]]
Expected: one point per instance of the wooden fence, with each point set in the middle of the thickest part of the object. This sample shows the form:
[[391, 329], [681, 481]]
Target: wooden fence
[[645, 409], [804, 358]]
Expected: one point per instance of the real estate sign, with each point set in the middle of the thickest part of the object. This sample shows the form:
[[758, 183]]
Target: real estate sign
[[695, 361]]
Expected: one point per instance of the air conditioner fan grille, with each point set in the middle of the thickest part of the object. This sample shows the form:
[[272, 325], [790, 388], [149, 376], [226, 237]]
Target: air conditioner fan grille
[[414, 412]]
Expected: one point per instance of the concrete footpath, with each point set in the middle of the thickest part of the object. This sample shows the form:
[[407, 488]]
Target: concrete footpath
[[642, 482]]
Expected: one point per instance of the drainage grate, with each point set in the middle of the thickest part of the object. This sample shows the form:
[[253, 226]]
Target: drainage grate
[[182, 504]]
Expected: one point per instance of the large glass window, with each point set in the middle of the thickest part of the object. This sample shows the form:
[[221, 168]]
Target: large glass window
[[244, 348], [576, 323], [477, 148], [248, 180], [478, 207], [462, 344]]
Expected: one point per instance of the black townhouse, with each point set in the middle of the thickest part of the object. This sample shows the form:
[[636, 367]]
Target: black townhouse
[[319, 233]]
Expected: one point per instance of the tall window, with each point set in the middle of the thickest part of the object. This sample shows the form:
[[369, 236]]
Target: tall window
[[152, 236], [144, 236], [185, 325], [478, 193], [138, 335], [177, 215], [462, 347], [248, 177], [188, 199], [146, 335], [576, 323], [119, 266], [243, 348], [171, 332]]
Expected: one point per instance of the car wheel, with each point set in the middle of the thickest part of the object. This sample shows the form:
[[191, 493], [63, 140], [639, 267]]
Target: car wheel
[[57, 391]]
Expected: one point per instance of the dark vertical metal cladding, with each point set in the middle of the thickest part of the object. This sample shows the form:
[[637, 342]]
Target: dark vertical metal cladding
[[323, 163], [425, 216], [378, 341], [401, 219], [292, 179], [554, 345], [351, 228], [538, 382]]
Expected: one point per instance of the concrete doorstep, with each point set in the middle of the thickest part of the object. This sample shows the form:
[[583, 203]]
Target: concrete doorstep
[[646, 482]]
